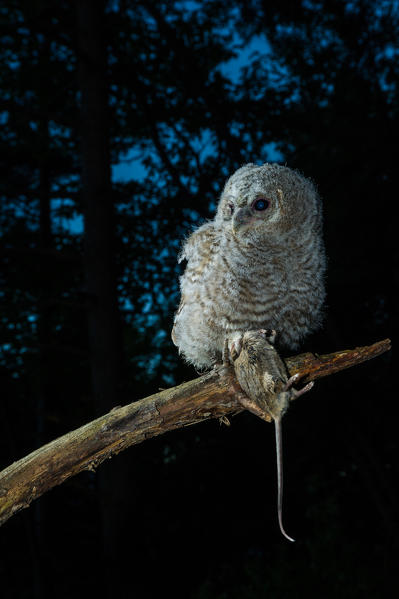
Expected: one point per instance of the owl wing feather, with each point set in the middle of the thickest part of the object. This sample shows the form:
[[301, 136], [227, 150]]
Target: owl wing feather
[[198, 250]]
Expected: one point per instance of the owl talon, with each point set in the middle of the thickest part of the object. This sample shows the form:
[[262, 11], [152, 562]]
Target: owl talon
[[226, 353], [235, 351], [235, 346], [224, 366]]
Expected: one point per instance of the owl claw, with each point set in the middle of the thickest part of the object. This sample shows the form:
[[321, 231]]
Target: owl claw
[[226, 353], [225, 366], [235, 346]]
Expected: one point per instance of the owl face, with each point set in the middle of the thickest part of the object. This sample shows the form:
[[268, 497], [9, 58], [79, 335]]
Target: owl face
[[252, 214], [248, 204], [260, 201]]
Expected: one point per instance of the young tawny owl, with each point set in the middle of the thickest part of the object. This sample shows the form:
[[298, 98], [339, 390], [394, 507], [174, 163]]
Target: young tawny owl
[[258, 265]]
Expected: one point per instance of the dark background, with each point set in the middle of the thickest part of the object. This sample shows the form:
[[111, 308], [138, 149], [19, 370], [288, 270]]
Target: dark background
[[89, 285]]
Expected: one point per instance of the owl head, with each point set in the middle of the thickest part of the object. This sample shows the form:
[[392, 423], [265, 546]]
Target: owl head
[[259, 201]]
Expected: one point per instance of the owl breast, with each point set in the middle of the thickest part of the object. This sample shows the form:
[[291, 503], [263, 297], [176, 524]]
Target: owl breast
[[274, 287]]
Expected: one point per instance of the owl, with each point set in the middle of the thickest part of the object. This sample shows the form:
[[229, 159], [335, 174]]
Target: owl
[[259, 264]]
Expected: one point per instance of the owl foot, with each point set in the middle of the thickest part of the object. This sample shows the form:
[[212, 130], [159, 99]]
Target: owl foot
[[234, 346], [226, 354], [224, 366], [235, 342]]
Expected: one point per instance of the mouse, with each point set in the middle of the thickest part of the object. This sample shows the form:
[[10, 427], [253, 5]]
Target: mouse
[[268, 389]]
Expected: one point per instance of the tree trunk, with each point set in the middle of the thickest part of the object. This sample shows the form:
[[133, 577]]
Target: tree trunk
[[105, 346], [103, 321]]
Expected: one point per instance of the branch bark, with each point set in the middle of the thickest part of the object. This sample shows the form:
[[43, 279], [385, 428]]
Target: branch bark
[[213, 395]]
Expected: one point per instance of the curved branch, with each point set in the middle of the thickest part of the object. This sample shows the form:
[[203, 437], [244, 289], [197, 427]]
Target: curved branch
[[213, 395]]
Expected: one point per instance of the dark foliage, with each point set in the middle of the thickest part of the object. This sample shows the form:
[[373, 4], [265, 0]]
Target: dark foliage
[[196, 510]]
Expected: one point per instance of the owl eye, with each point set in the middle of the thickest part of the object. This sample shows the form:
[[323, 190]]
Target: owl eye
[[260, 204]]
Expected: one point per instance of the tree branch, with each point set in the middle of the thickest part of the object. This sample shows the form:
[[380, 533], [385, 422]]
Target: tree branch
[[213, 395]]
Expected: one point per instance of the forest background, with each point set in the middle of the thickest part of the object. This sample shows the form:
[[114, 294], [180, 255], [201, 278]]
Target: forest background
[[120, 121]]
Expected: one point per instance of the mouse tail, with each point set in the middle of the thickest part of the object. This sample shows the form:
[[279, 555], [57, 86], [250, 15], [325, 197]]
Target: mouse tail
[[279, 455]]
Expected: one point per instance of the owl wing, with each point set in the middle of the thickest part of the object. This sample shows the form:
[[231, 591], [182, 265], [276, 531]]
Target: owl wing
[[198, 250]]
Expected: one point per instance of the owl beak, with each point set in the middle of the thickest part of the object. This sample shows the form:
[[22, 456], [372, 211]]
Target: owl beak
[[241, 218]]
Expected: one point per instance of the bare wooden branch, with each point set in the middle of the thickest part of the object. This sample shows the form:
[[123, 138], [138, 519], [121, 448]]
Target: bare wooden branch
[[213, 395], [311, 366]]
